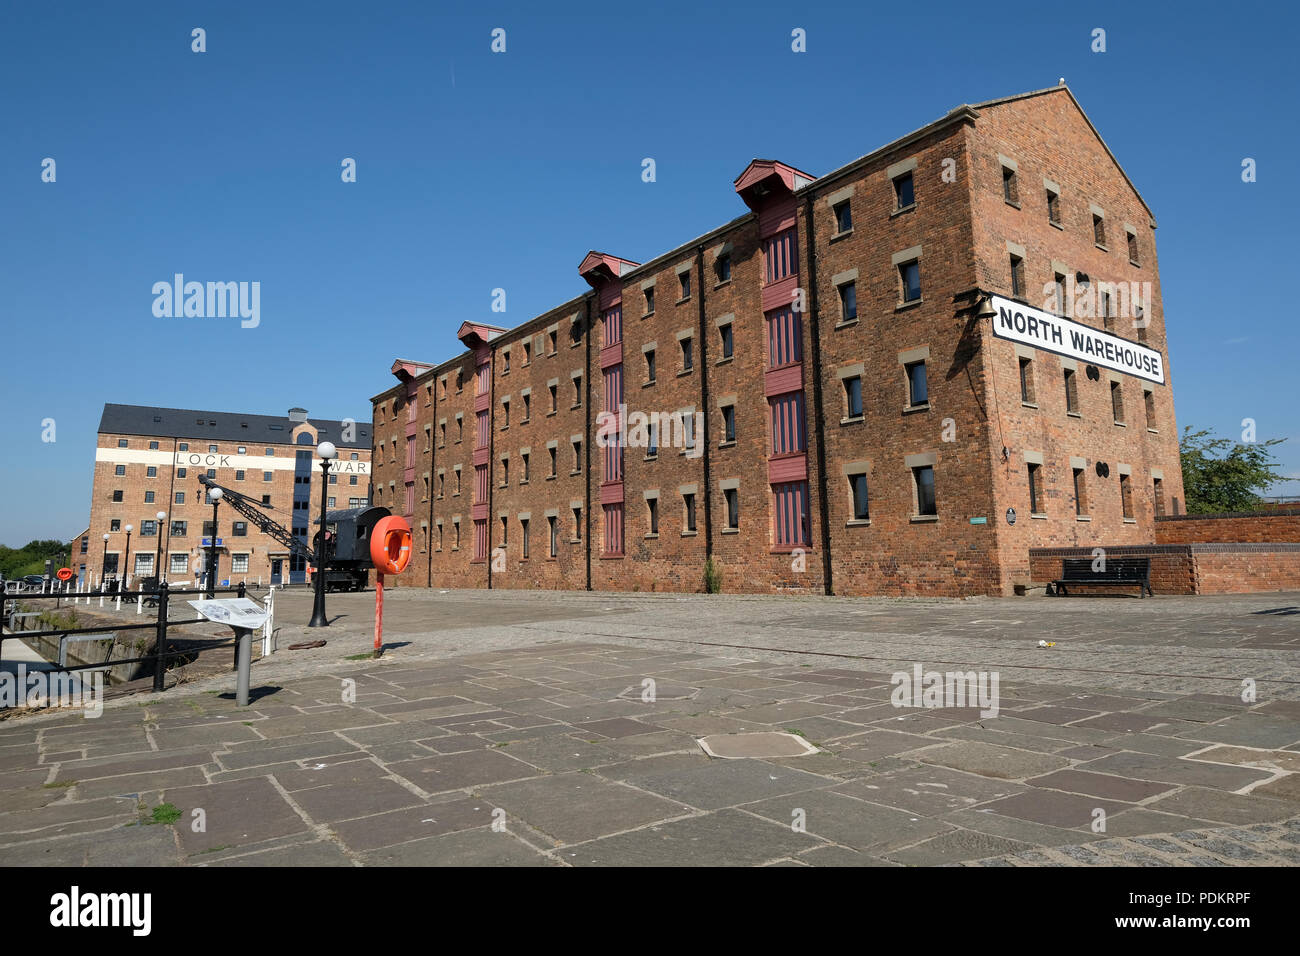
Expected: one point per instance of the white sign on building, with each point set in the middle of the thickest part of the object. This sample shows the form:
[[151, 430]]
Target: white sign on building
[[1042, 330]]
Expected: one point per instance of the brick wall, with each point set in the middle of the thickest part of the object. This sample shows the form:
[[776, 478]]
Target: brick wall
[[1191, 568], [1250, 527]]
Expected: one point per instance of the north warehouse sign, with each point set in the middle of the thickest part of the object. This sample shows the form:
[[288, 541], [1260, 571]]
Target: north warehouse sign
[[1042, 330]]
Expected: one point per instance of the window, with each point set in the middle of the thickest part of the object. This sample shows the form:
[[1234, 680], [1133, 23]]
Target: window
[[904, 191], [552, 342], [787, 416], [577, 524], [456, 542], [918, 391], [731, 497], [650, 366], [722, 268], [685, 279], [121, 443], [1017, 277], [239, 564], [843, 217], [1107, 312], [910, 274], [505, 531], [239, 529], [442, 434], [649, 300], [212, 473], [180, 497], [1080, 493], [185, 446], [1149, 402], [527, 399], [728, 424], [180, 472], [577, 391], [148, 528], [553, 390], [688, 432], [119, 470], [266, 499], [1158, 490], [1036, 505], [505, 413], [553, 527], [1071, 391], [577, 455], [1010, 192], [85, 545], [1117, 402], [179, 529], [848, 301], [1139, 321], [1126, 495], [652, 444], [239, 476], [853, 396], [523, 477], [688, 511], [180, 563], [1053, 207], [505, 360], [790, 515], [1058, 283], [725, 332], [153, 446], [208, 528], [212, 449], [858, 489], [148, 497], [688, 358], [1132, 248], [923, 478], [779, 256], [115, 524], [143, 563], [523, 537], [505, 472], [784, 338], [1027, 381], [552, 451], [330, 503], [1099, 230], [117, 495], [460, 429], [270, 452]]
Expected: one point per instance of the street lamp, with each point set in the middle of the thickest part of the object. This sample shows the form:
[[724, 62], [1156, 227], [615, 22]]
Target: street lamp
[[125, 575], [214, 495], [327, 453], [103, 563], [157, 571]]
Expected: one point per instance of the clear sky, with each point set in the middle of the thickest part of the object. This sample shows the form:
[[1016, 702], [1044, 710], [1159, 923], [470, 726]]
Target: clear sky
[[478, 170]]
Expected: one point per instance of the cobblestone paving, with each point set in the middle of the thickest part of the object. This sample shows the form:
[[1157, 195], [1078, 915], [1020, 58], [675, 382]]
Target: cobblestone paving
[[512, 728]]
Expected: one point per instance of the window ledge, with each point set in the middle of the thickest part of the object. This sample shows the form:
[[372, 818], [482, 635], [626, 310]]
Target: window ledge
[[524, 482], [719, 285], [653, 381], [1122, 424], [1056, 225], [1130, 520], [842, 235], [684, 372], [909, 305], [845, 324], [1028, 404], [858, 523], [652, 534], [578, 405], [1013, 205], [1042, 515], [1073, 415], [731, 531], [575, 472], [651, 458], [852, 420], [1135, 263], [725, 360], [727, 444], [689, 534], [505, 428], [1083, 517], [1101, 247], [899, 212], [923, 407], [1154, 431], [683, 299], [923, 519], [550, 413], [550, 477], [648, 314]]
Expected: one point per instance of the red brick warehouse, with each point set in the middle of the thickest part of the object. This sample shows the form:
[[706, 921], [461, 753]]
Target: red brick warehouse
[[895, 378]]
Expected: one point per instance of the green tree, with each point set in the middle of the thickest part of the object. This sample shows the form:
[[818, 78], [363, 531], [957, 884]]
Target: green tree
[[30, 558], [1222, 475]]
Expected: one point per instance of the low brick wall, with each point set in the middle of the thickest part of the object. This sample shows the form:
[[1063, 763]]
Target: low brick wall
[[1211, 568], [1239, 527]]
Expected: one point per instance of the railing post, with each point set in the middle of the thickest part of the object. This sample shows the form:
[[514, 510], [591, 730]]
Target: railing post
[[243, 589], [160, 640]]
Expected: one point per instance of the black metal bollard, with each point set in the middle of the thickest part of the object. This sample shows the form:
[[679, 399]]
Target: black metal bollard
[[160, 640]]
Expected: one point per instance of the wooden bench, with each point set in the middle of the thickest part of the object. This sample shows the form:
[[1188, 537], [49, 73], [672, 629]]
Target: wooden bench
[[1113, 571]]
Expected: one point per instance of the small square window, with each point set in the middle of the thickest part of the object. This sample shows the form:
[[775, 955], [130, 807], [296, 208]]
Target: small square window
[[119, 470], [181, 472], [848, 301], [115, 524], [904, 191], [153, 446], [853, 396], [121, 443], [843, 217], [910, 274], [185, 446], [148, 497], [117, 495]]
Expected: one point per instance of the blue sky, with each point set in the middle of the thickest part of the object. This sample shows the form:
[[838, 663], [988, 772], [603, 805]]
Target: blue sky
[[478, 170]]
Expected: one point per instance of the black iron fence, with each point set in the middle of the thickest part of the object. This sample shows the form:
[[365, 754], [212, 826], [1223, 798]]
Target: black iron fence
[[161, 654]]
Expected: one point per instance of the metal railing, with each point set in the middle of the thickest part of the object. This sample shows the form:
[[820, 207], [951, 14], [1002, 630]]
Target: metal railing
[[160, 655]]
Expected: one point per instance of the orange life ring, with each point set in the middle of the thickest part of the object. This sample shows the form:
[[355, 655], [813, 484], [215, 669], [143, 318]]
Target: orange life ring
[[390, 545]]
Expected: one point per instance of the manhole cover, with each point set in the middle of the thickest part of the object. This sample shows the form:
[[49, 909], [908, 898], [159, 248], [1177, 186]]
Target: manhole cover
[[758, 745]]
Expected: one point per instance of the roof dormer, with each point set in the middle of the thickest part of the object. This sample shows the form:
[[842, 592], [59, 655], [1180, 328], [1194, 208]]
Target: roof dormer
[[765, 179], [598, 268]]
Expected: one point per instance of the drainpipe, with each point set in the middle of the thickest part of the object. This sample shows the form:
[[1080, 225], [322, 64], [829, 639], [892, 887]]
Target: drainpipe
[[433, 473], [492, 451], [707, 452], [586, 429], [819, 420]]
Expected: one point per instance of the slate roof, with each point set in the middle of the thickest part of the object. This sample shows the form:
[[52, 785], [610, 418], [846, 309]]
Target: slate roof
[[191, 423]]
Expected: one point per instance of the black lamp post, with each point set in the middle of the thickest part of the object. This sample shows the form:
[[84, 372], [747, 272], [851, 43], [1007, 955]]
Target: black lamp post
[[157, 569], [327, 452], [103, 563], [124, 574], [214, 495]]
